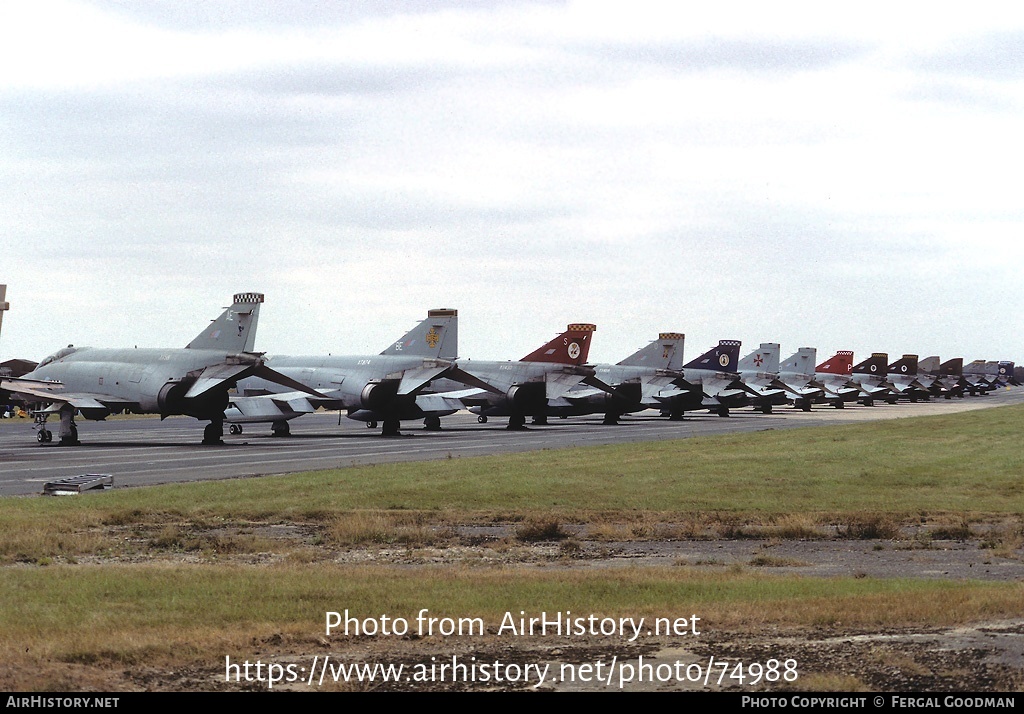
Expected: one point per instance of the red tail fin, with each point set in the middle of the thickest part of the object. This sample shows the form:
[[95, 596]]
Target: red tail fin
[[841, 363], [570, 347]]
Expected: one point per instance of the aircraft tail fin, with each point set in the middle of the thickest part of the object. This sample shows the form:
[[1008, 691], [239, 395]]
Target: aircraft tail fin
[[928, 365], [952, 367], [666, 352], [800, 363], [437, 337], [840, 363], [764, 359], [905, 365], [875, 364], [570, 347], [235, 329], [721, 358]]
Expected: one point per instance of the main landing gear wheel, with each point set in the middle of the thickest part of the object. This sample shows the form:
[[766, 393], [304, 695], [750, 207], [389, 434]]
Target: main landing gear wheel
[[71, 438], [392, 427], [516, 422], [371, 424], [280, 428], [44, 436], [213, 433], [235, 429], [723, 411], [481, 419], [766, 409], [432, 423]]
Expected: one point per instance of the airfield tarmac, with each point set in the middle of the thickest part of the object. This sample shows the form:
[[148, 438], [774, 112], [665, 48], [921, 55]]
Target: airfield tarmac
[[146, 451]]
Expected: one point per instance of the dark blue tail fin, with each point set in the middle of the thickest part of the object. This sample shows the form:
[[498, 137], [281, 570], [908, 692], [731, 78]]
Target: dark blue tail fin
[[723, 358]]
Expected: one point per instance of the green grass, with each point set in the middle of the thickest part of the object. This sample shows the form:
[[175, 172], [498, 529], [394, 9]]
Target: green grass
[[964, 462], [79, 613]]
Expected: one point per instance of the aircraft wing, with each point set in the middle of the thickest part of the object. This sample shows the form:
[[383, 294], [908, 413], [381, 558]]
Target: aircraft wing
[[287, 404], [94, 406], [558, 383], [416, 379], [445, 401], [460, 375], [666, 394], [805, 390], [226, 374], [716, 385], [903, 384], [575, 395]]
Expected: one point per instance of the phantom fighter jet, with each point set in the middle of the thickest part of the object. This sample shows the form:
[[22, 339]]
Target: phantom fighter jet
[[193, 380], [523, 388], [373, 388], [633, 382]]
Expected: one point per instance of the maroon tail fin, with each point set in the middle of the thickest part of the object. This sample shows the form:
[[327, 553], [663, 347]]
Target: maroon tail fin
[[570, 347]]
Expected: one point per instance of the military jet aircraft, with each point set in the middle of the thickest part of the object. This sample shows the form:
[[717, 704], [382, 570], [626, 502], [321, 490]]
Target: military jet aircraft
[[796, 376], [869, 376], [901, 379], [759, 372], [523, 388], [941, 379], [634, 382], [193, 380], [835, 377], [708, 382], [372, 388]]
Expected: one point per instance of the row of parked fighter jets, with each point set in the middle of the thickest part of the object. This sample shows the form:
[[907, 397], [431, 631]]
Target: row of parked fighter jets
[[219, 377]]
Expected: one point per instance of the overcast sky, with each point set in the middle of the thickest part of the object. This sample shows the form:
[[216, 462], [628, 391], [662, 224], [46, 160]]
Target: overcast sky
[[840, 177]]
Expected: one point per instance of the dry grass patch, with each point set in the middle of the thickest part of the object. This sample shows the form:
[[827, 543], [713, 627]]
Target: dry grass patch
[[410, 528], [535, 531], [822, 682], [868, 526], [774, 561]]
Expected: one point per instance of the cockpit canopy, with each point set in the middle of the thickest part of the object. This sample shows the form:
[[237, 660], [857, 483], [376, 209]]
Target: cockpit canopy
[[59, 354]]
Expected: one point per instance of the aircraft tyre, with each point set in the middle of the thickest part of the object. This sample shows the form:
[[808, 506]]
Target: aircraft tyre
[[71, 438], [213, 433], [723, 411], [235, 429], [280, 428], [392, 427], [766, 408], [516, 422], [840, 404], [481, 419], [371, 424], [676, 416], [432, 423], [44, 436], [806, 406], [541, 420], [610, 419]]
